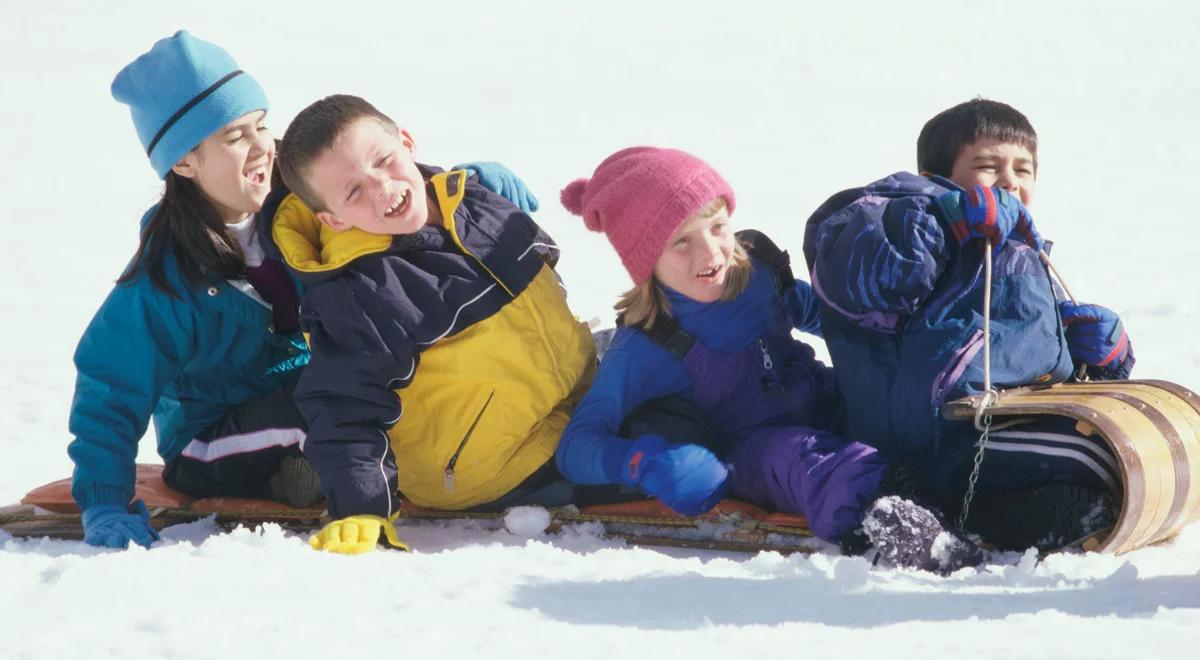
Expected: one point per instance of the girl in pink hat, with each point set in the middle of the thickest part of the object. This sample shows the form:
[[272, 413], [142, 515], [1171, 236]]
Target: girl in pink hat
[[710, 318]]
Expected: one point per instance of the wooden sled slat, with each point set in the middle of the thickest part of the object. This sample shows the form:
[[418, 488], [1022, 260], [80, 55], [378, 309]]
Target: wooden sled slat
[[1178, 422], [1153, 429]]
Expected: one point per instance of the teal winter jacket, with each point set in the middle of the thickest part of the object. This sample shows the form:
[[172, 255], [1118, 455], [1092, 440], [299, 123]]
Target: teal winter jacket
[[184, 361]]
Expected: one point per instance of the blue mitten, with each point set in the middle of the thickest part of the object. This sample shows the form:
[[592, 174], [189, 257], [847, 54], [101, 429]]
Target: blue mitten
[[688, 478], [1095, 334], [113, 526], [500, 180], [988, 213]]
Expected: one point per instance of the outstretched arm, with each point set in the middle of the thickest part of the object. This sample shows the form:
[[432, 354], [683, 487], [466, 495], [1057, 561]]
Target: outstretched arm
[[125, 359], [346, 394], [127, 356]]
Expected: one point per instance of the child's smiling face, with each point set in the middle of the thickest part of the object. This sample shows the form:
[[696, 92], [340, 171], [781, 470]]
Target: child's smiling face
[[695, 261], [232, 167], [990, 162], [368, 179]]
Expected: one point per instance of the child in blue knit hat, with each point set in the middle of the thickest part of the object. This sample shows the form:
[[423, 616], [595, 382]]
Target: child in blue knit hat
[[898, 265], [201, 331]]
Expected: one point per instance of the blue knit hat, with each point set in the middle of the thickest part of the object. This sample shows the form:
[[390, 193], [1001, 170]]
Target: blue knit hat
[[182, 91]]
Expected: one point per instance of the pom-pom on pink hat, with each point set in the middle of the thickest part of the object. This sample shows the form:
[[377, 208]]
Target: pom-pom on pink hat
[[639, 196]]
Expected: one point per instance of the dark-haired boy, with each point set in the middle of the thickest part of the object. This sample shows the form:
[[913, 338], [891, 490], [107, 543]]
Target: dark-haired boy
[[898, 267]]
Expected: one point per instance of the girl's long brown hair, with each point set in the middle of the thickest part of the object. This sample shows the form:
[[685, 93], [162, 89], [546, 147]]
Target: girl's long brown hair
[[185, 223]]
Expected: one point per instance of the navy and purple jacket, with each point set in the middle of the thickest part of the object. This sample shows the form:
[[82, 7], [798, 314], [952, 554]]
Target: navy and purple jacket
[[901, 309], [636, 369]]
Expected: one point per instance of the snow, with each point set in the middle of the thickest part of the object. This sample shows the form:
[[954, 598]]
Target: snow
[[791, 102], [526, 520]]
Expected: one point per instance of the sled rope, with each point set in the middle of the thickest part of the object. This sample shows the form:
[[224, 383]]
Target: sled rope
[[1081, 372], [1057, 278], [983, 421]]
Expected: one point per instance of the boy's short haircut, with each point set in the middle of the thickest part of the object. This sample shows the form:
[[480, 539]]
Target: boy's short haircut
[[944, 136], [313, 131]]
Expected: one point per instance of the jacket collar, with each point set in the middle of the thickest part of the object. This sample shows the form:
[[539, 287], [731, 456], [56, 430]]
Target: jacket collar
[[309, 247]]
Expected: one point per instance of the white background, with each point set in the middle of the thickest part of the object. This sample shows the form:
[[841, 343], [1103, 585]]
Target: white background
[[791, 101]]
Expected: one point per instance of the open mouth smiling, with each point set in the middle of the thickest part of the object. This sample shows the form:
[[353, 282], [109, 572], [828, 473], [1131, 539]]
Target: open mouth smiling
[[257, 175], [710, 274], [400, 206]]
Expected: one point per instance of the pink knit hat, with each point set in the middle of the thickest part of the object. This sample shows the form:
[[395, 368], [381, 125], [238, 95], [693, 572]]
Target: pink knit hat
[[639, 196]]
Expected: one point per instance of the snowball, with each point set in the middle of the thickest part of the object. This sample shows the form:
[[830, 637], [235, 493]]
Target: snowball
[[527, 520]]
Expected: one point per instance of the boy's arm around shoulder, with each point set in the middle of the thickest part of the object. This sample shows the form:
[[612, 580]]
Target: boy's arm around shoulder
[[346, 395], [634, 370], [877, 252]]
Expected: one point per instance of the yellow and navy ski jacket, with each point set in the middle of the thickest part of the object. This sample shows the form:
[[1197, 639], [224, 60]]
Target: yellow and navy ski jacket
[[445, 363]]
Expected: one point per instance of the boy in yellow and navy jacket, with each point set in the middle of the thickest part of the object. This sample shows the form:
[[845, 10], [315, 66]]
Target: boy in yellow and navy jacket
[[445, 362]]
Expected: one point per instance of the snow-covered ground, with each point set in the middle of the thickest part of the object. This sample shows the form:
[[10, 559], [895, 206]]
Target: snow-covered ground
[[792, 101]]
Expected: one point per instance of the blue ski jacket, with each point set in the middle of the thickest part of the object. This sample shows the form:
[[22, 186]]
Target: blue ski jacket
[[902, 315], [185, 362]]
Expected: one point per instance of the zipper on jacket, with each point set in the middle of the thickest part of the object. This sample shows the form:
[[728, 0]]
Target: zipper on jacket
[[768, 364], [448, 480]]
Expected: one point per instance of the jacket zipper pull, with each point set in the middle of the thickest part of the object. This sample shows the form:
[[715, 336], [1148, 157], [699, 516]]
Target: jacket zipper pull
[[448, 474], [766, 355]]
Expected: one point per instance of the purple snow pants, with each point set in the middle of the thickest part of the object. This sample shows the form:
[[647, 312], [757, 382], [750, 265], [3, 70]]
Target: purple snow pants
[[795, 469], [776, 404]]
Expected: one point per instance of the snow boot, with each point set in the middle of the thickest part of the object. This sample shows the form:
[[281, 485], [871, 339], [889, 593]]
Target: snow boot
[[1046, 518], [296, 483], [905, 482], [907, 535]]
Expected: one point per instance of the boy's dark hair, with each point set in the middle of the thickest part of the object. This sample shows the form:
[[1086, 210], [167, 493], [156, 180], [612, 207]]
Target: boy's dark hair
[[312, 132], [944, 136]]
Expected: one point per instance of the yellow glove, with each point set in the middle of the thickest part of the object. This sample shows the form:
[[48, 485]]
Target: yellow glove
[[355, 535]]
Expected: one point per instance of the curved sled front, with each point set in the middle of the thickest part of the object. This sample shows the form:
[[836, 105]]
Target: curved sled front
[[1153, 428], [148, 487]]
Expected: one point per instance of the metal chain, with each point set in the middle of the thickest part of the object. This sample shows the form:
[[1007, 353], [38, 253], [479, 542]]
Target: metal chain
[[985, 428], [983, 422]]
